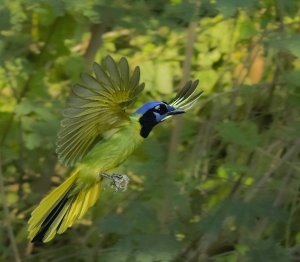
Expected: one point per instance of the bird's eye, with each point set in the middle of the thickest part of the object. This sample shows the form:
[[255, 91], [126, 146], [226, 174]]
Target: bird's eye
[[157, 108], [161, 109]]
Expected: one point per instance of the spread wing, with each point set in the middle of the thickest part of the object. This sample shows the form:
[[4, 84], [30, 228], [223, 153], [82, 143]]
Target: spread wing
[[95, 107], [186, 97]]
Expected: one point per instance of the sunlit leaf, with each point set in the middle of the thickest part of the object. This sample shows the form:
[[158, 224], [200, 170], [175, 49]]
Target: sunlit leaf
[[164, 78]]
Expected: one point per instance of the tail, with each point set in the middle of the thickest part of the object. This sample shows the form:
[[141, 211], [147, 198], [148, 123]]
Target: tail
[[60, 209]]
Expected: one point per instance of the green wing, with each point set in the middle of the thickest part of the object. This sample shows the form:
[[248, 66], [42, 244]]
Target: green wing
[[96, 107]]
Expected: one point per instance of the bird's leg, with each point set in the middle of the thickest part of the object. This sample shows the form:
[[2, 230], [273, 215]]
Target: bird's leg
[[119, 181]]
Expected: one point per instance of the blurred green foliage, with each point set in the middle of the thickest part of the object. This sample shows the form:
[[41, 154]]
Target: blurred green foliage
[[233, 192]]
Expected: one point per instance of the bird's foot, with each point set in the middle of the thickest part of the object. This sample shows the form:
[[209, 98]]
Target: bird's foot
[[119, 181]]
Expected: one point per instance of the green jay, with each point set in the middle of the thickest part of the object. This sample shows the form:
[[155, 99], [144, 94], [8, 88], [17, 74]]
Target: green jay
[[96, 135]]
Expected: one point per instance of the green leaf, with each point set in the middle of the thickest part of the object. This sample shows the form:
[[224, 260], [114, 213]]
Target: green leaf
[[244, 134], [33, 141], [287, 43], [292, 77], [181, 10], [156, 247], [164, 78], [245, 214], [115, 223], [247, 29], [73, 66], [266, 251], [24, 108], [229, 7]]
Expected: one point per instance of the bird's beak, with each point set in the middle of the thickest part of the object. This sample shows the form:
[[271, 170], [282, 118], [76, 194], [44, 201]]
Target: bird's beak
[[176, 111]]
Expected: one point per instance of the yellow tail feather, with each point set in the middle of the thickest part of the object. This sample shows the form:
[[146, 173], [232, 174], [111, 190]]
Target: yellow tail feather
[[60, 209]]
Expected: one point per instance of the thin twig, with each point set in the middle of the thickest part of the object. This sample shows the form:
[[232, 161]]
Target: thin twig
[[264, 180], [261, 225]]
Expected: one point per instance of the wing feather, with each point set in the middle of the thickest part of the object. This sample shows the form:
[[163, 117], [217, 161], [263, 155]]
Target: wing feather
[[124, 72], [96, 106], [114, 72]]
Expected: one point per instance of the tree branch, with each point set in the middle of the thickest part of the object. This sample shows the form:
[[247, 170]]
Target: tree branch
[[95, 42]]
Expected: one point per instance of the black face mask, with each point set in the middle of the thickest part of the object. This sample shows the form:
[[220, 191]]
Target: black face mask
[[147, 121]]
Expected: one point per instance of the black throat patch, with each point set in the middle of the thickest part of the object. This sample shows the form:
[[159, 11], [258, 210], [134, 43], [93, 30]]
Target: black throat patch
[[147, 121]]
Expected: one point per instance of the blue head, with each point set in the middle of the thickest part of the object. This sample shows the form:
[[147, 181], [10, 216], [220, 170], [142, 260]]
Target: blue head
[[153, 113]]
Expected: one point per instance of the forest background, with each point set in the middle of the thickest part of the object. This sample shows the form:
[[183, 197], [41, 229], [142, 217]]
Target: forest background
[[219, 184]]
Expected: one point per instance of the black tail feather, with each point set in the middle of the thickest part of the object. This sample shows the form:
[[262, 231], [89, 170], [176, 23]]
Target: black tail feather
[[49, 220]]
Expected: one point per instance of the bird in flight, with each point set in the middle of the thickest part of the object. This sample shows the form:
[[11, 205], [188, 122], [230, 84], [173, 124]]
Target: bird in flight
[[96, 135]]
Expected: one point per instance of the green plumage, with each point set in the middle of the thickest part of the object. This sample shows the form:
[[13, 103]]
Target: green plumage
[[97, 132], [96, 135]]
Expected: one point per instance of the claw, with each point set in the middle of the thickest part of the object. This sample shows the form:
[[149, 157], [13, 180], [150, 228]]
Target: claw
[[119, 181]]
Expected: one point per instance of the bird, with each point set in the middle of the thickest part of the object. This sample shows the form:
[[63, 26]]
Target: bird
[[96, 135]]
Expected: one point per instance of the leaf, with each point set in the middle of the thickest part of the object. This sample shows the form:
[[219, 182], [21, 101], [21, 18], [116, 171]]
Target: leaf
[[4, 20], [286, 42], [245, 214], [247, 29], [24, 108], [156, 247], [118, 254], [292, 77], [149, 74], [115, 223], [244, 134], [73, 66], [4, 119], [164, 78], [229, 7], [180, 11], [33, 141], [266, 251]]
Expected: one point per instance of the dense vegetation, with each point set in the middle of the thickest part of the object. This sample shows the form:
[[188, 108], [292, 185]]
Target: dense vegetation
[[218, 184]]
